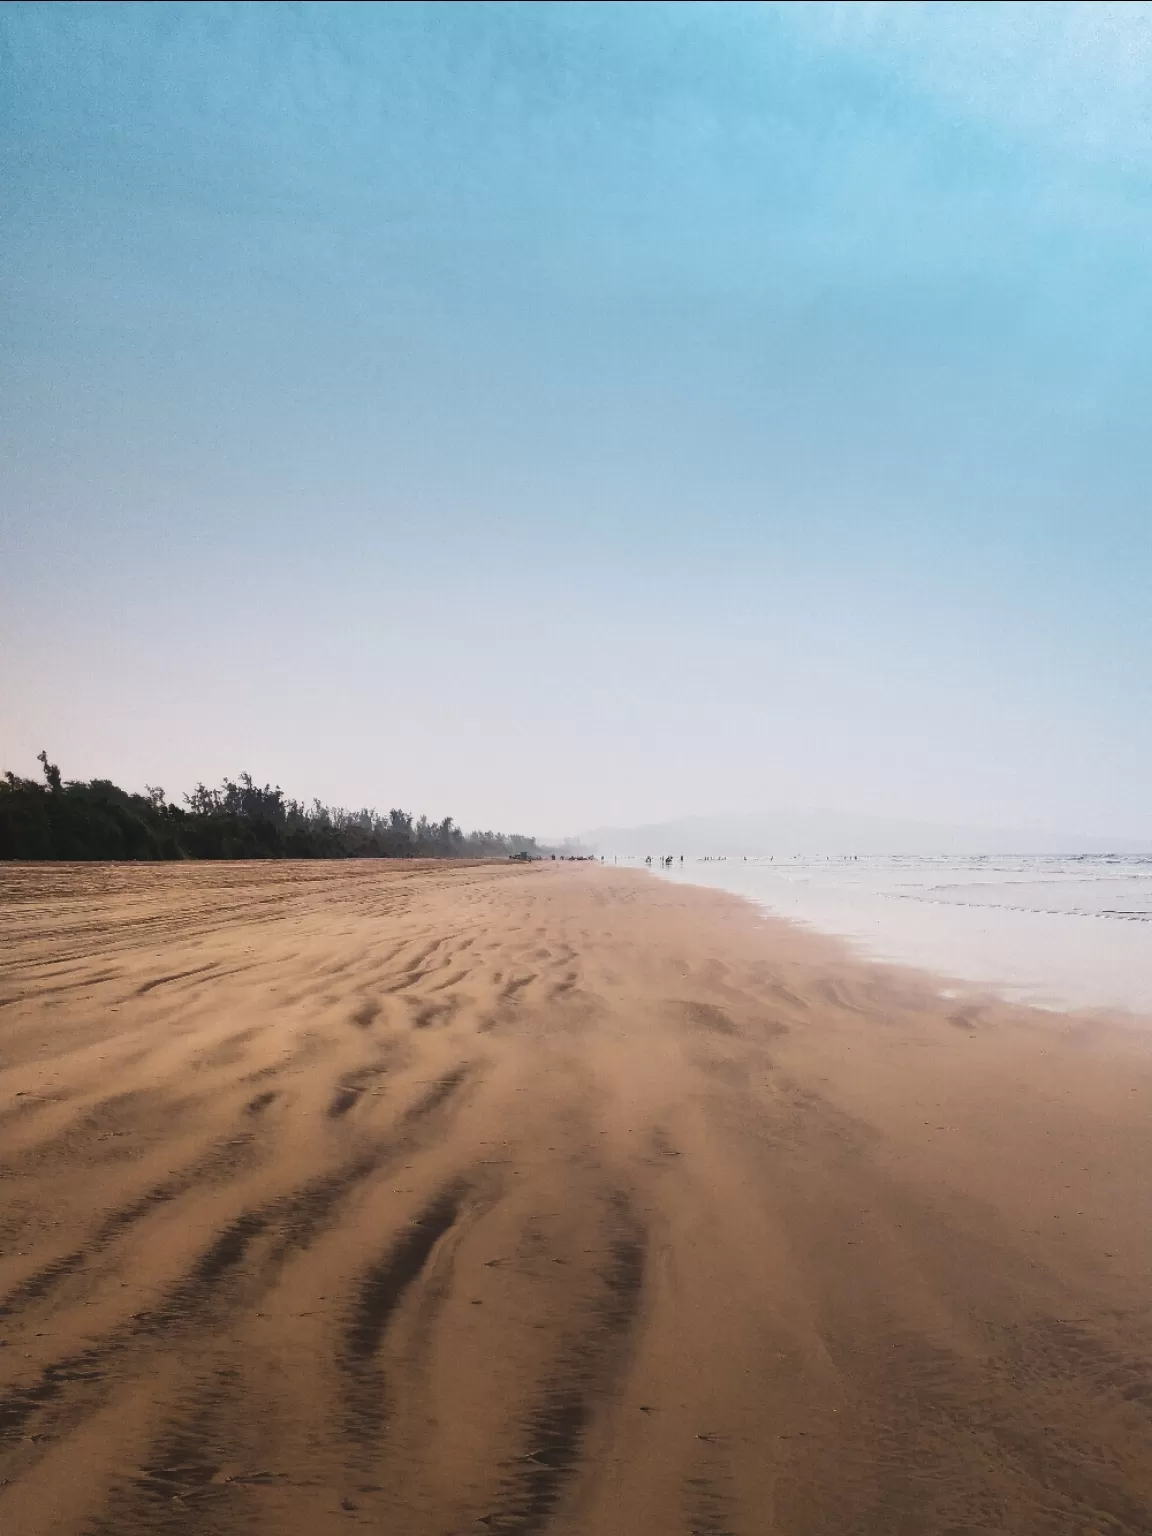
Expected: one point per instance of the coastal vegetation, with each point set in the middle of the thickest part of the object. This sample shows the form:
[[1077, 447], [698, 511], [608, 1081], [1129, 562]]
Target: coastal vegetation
[[58, 819]]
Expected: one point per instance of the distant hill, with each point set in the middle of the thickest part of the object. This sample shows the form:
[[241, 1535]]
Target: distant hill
[[811, 832]]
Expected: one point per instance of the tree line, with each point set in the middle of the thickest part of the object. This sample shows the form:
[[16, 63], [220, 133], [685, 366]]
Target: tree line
[[58, 819]]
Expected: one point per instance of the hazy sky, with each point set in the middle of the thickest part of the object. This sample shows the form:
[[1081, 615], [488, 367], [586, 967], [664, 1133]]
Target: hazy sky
[[565, 414]]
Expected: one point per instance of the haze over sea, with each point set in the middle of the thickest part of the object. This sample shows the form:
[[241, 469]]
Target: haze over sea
[[1057, 931]]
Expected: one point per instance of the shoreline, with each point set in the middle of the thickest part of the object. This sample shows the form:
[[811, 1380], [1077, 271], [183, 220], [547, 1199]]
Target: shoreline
[[553, 1198], [1061, 960]]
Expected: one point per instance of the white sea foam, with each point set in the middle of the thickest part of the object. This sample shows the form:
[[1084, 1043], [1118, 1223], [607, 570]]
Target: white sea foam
[[1060, 932]]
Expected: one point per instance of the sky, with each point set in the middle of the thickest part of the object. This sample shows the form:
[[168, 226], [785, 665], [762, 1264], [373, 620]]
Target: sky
[[579, 414]]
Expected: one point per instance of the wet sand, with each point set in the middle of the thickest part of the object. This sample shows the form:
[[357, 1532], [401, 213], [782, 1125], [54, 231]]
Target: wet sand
[[433, 1200]]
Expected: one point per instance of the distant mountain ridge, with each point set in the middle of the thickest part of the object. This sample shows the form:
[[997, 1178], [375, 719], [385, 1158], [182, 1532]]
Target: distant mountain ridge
[[813, 832]]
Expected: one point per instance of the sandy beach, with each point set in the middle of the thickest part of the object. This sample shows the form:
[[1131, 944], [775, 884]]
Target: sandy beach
[[437, 1199]]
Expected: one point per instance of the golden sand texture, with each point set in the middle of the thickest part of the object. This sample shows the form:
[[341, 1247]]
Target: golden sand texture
[[433, 1199]]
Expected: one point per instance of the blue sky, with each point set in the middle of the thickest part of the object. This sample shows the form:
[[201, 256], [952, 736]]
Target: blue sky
[[568, 414]]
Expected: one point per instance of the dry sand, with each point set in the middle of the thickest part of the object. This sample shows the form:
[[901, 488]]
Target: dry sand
[[436, 1200]]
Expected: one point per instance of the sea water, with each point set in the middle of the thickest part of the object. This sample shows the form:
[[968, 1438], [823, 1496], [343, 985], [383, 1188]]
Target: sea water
[[1059, 932]]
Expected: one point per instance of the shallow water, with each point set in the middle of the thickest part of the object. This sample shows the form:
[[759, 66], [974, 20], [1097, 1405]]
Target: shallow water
[[1061, 932]]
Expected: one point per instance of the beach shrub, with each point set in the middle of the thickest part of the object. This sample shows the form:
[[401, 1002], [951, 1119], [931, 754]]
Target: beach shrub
[[239, 820]]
